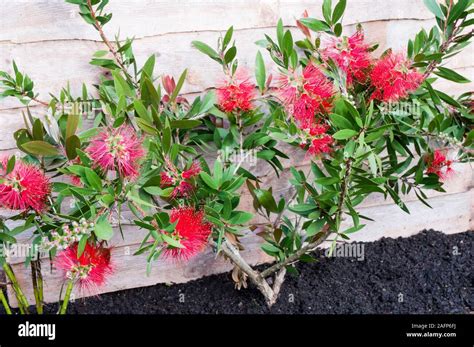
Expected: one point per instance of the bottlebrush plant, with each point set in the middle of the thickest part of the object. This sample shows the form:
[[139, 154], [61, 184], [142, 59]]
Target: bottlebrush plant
[[147, 149]]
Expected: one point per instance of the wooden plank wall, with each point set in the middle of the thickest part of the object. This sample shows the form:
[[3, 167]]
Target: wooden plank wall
[[50, 42]]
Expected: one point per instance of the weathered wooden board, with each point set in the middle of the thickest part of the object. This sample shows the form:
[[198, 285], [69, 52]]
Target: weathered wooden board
[[460, 183], [58, 62], [30, 21], [450, 214], [51, 43], [130, 270]]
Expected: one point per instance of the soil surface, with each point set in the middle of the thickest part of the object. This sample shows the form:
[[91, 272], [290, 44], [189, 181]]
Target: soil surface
[[426, 273]]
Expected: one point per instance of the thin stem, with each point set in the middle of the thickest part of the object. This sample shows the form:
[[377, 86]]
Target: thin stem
[[321, 237], [37, 280], [109, 45], [67, 296], [33, 98], [295, 256], [234, 255], [4, 301], [444, 47], [20, 296]]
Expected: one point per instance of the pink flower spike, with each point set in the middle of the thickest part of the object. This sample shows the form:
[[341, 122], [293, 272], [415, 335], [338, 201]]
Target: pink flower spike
[[321, 145], [117, 149], [236, 94], [306, 95], [439, 165], [90, 270], [25, 187], [352, 55], [193, 171], [393, 78], [191, 230]]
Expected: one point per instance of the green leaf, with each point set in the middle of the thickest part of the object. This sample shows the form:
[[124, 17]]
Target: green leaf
[[4, 237], [339, 11], [170, 241], [227, 37], [146, 126], [208, 180], [344, 134], [327, 8], [149, 66], [240, 217], [327, 181], [38, 130], [71, 125], [270, 249], [260, 73], [185, 123], [302, 208], [434, 8], [206, 49], [72, 144], [340, 121], [458, 9], [40, 148], [314, 24], [179, 85], [82, 245], [315, 227], [142, 111], [93, 179], [230, 54], [10, 164], [121, 86], [265, 198], [451, 75], [103, 229], [287, 43]]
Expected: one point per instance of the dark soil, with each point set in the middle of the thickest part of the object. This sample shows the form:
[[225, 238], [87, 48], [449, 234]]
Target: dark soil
[[427, 273]]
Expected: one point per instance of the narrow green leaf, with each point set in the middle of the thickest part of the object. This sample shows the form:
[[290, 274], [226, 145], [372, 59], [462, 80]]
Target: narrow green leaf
[[339, 11], [179, 85], [72, 124], [40, 148], [451, 75], [206, 49], [434, 8], [344, 134], [103, 229], [260, 73]]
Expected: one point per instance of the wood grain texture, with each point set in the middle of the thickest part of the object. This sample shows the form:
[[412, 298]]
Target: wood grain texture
[[31, 21], [51, 43], [130, 271], [450, 214]]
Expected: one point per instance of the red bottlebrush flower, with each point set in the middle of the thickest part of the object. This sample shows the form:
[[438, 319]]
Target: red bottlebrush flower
[[320, 145], [393, 78], [351, 54], [193, 171], [306, 95], [439, 165], [166, 180], [183, 189], [190, 230], [25, 187], [117, 149], [90, 270], [236, 94], [318, 129], [180, 181]]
